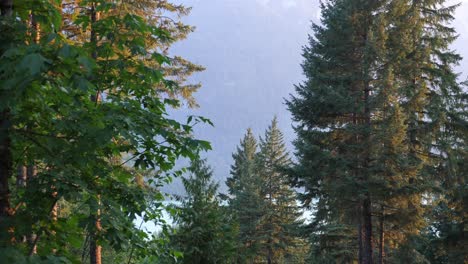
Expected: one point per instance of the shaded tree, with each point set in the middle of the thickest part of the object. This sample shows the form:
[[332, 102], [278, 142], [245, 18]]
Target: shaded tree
[[204, 232]]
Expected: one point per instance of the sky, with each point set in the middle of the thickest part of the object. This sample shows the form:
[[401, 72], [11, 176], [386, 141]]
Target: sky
[[252, 53]]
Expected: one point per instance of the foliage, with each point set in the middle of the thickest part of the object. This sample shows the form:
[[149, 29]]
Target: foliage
[[245, 198], [204, 232], [264, 204], [371, 118], [80, 109], [279, 223]]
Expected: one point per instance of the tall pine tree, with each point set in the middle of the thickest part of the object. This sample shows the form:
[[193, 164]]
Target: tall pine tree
[[204, 231], [246, 198], [369, 118], [279, 221]]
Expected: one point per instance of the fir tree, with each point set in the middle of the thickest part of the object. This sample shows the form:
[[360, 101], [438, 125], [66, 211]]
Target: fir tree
[[279, 220], [246, 197], [204, 230], [369, 117], [333, 125], [426, 94]]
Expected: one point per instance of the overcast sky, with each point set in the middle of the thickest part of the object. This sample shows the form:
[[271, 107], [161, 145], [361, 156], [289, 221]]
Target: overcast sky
[[252, 53]]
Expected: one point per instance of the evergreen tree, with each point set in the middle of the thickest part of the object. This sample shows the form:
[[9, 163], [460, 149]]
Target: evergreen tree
[[246, 198], [369, 117], [279, 220], [429, 97], [164, 15], [204, 229], [445, 239], [332, 113]]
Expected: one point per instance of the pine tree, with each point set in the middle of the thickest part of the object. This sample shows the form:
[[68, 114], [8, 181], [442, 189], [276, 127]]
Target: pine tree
[[445, 239], [369, 118], [163, 14], [332, 112], [246, 198], [427, 92], [204, 230], [279, 220]]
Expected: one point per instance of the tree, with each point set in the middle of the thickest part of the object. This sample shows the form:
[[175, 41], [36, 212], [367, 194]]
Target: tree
[[204, 232], [6, 166], [331, 109], [161, 14], [260, 196], [279, 221], [74, 141], [428, 95], [445, 237], [246, 198], [369, 117]]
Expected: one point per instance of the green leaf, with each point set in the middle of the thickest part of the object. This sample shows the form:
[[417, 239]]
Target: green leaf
[[33, 63]]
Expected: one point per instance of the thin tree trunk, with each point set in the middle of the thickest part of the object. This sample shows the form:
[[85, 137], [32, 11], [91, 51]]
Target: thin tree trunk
[[21, 176], [21, 180], [33, 238], [54, 213], [6, 159], [360, 234], [94, 248], [367, 231], [382, 236], [35, 28], [270, 254], [367, 257]]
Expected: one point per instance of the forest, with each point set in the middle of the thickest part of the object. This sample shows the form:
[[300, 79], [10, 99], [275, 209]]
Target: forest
[[89, 144]]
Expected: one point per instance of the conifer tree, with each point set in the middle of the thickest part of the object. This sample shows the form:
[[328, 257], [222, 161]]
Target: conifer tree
[[445, 239], [165, 15], [369, 118], [427, 96], [204, 230], [246, 198], [332, 113], [279, 219]]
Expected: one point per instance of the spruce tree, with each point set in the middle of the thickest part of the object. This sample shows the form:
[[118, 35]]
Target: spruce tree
[[246, 198], [331, 110], [204, 230], [428, 96], [279, 220], [369, 119]]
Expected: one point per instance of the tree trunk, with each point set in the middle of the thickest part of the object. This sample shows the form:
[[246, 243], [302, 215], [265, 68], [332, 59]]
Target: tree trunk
[[270, 254], [6, 159], [95, 251], [35, 28], [366, 231], [360, 234], [21, 176], [381, 237], [33, 238], [94, 248]]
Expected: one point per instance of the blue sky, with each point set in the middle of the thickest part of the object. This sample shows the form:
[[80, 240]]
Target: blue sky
[[252, 53]]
